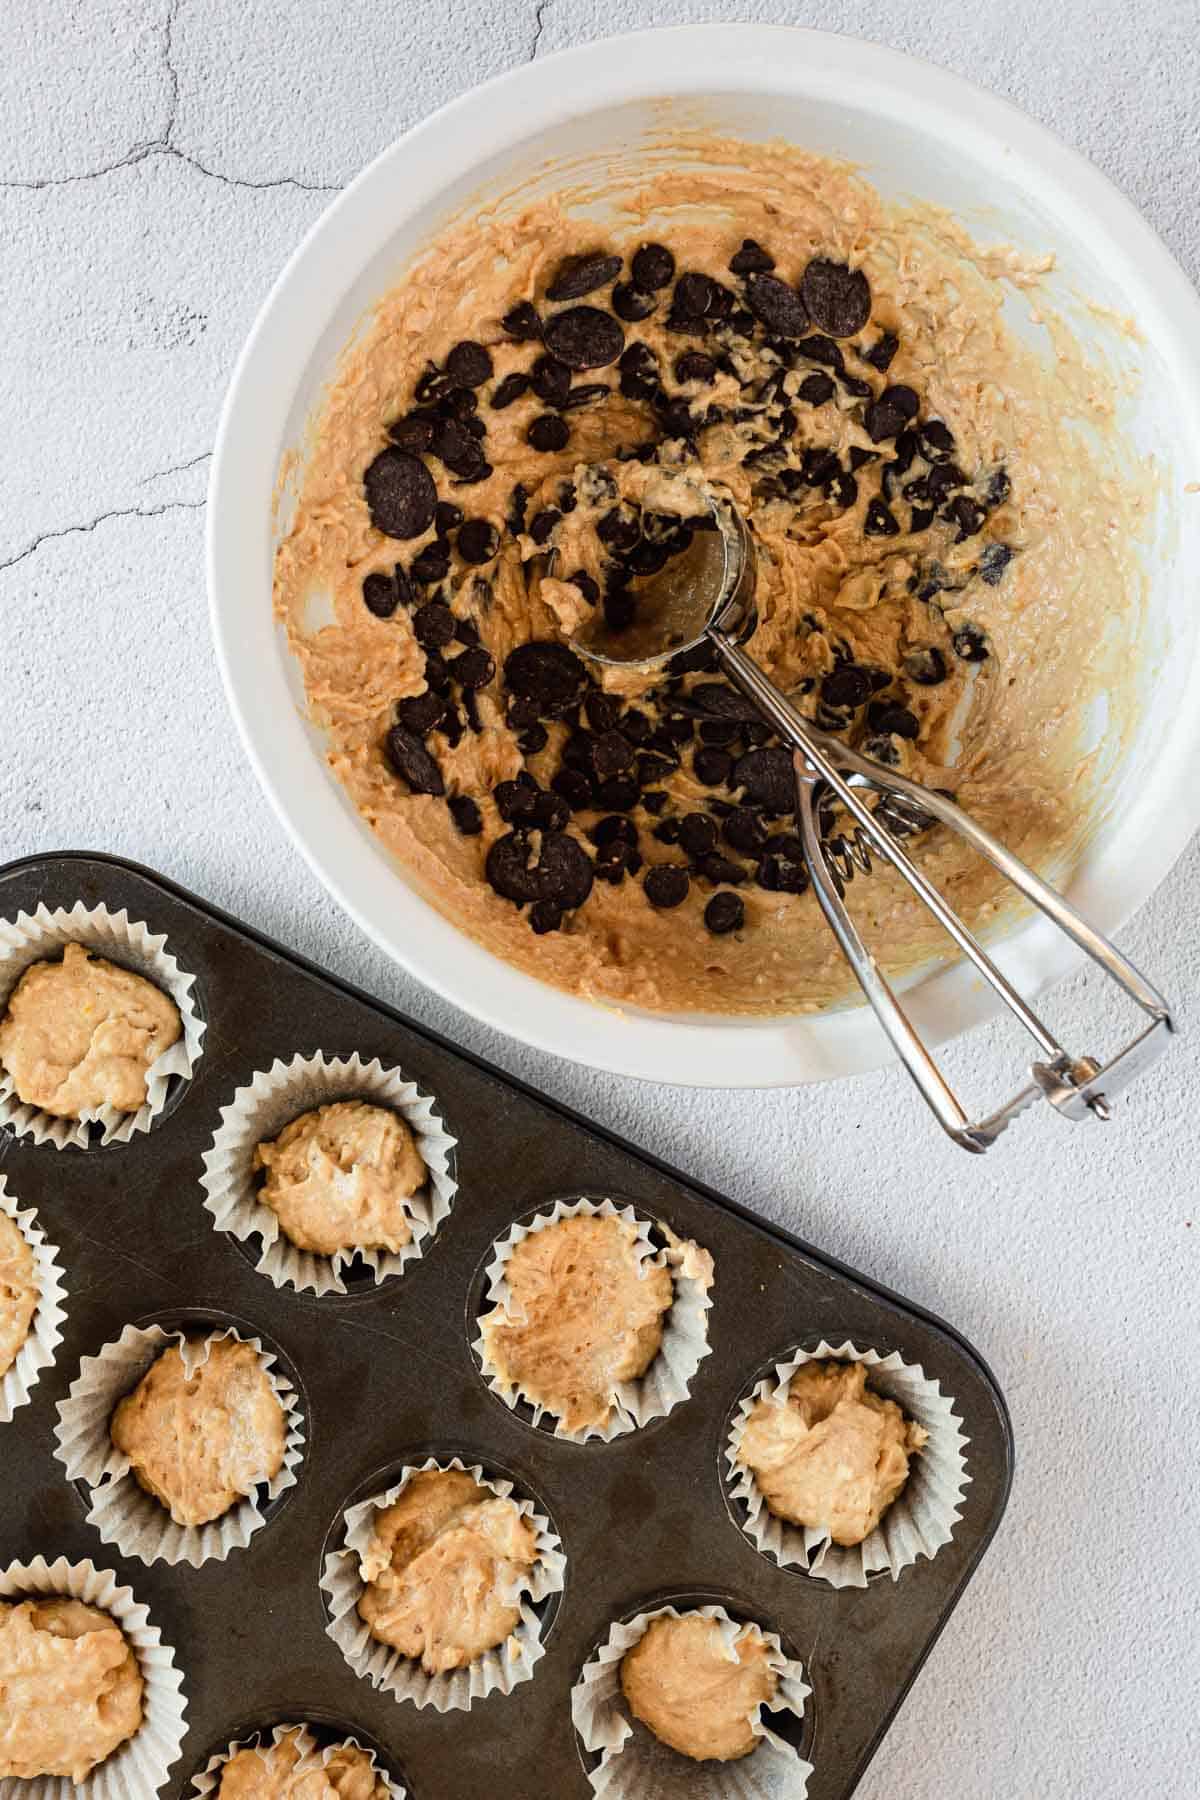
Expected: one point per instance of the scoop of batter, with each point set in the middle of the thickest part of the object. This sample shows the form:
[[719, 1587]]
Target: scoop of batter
[[82, 1033], [338, 1178], [694, 1691], [70, 1689], [19, 1292], [442, 1570], [201, 1441], [832, 1455], [292, 1769], [585, 1314]]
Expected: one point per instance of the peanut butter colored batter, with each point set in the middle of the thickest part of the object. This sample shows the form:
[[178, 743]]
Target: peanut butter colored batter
[[19, 1293], [81, 1034], [1009, 733], [694, 1691], [832, 1455], [70, 1689], [199, 1442], [338, 1178], [293, 1769], [585, 1314], [443, 1568]]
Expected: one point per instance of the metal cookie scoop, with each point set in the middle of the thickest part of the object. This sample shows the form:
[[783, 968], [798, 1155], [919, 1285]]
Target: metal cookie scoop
[[708, 594]]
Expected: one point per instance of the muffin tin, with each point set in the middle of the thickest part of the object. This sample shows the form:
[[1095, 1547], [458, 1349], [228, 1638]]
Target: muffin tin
[[388, 1376]]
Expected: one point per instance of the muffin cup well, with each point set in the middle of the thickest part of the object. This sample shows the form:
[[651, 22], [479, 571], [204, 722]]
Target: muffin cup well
[[919, 1521], [122, 1511], [259, 1112], [496, 1671], [685, 1343], [45, 1328], [313, 1756], [139, 1767], [634, 1763], [42, 936]]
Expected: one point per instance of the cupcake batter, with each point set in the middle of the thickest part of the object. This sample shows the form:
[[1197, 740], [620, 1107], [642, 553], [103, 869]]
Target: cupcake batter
[[81, 1034], [831, 1454], [70, 1689], [338, 1178], [19, 1293], [443, 1569], [201, 1441], [696, 1692], [293, 1769], [948, 569], [585, 1314]]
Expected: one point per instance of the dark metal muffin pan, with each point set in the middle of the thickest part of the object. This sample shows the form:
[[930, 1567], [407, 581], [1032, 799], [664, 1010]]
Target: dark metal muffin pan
[[388, 1375]]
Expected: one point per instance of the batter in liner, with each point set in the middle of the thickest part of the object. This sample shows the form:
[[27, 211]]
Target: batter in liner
[[294, 1769], [695, 1691], [70, 1688]]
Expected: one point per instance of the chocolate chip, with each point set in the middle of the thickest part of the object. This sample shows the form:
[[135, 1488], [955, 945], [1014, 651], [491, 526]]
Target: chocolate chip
[[522, 322], [548, 432], [721, 869], [632, 303], [611, 753], [744, 830], [478, 541], [587, 584], [768, 777], [817, 467], [936, 440], [998, 489], [516, 799], [920, 518], [782, 869], [414, 432], [466, 815], [584, 337], [751, 259], [510, 389], [618, 794], [433, 625], [724, 913], [619, 528], [967, 514], [469, 363], [693, 365], [666, 885], [712, 767], [888, 416], [816, 390], [616, 828], [531, 741], [603, 711], [586, 394], [847, 686], [880, 520], [697, 833], [557, 869], [881, 750], [778, 306], [458, 403], [437, 675], [550, 380], [454, 445], [549, 675], [574, 787], [654, 766], [992, 564], [544, 916], [542, 524], [881, 352], [838, 298], [926, 666], [891, 720], [970, 644], [380, 595], [579, 275], [412, 761], [549, 812], [518, 501], [653, 266], [419, 713], [401, 494], [842, 488], [473, 668], [678, 420]]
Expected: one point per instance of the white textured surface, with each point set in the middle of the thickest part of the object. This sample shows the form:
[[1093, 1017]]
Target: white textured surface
[[159, 160]]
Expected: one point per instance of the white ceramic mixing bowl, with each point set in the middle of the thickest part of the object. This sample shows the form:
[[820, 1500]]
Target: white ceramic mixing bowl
[[916, 131]]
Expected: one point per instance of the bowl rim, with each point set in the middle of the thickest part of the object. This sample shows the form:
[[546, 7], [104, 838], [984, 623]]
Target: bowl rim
[[674, 62]]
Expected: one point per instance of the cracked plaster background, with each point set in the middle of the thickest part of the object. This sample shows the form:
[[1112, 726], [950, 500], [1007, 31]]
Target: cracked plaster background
[[158, 163]]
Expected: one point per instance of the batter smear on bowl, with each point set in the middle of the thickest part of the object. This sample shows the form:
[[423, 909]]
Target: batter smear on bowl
[[947, 573]]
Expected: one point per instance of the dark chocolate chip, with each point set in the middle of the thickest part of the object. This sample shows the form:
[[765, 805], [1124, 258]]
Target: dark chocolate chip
[[466, 815], [557, 869], [821, 349], [431, 564], [768, 778], [653, 766], [693, 365], [380, 595], [847, 686], [603, 711], [612, 752], [653, 266], [718, 732], [859, 457], [891, 720], [777, 304], [967, 514], [712, 767], [880, 520], [631, 303], [518, 501], [586, 394], [419, 713], [549, 675], [401, 494], [666, 885], [587, 584], [532, 740], [668, 831], [517, 798], [816, 389], [694, 294], [920, 518], [744, 830], [842, 488], [618, 794], [992, 563], [551, 380], [926, 666], [720, 701], [473, 668], [888, 416], [697, 834], [469, 363], [838, 298], [433, 625], [510, 389], [783, 869], [455, 446], [412, 761], [970, 644], [478, 541], [549, 812], [414, 432], [541, 526], [725, 912], [580, 275], [881, 750], [678, 420], [616, 828], [437, 675], [856, 387], [458, 403], [447, 517], [881, 352], [574, 787], [721, 869], [619, 529], [817, 467], [998, 489], [544, 916], [522, 322], [584, 337], [936, 440], [751, 259], [548, 432]]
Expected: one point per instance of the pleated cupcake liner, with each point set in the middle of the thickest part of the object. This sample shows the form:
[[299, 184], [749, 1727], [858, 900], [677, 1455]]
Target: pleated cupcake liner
[[125, 1515], [259, 1111], [495, 1671], [137, 1769], [313, 1757], [41, 936], [45, 1328], [635, 1765], [919, 1521], [684, 1346]]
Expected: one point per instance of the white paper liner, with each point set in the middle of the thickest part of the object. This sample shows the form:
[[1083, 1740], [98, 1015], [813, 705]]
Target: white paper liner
[[124, 1514], [259, 1112], [922, 1517], [496, 1671], [45, 1328], [137, 1769], [685, 1343], [312, 1756], [42, 936], [635, 1765]]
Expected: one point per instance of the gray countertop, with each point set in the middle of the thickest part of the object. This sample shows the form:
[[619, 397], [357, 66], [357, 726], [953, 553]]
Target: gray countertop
[[160, 158]]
